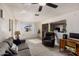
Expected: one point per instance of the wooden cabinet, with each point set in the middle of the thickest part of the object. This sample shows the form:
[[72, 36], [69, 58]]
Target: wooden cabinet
[[77, 49], [71, 43], [62, 44]]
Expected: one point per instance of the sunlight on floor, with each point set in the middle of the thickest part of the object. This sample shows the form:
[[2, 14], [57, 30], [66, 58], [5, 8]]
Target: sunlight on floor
[[35, 41]]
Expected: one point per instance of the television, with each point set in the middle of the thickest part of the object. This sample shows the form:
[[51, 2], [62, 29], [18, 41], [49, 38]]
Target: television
[[74, 35]]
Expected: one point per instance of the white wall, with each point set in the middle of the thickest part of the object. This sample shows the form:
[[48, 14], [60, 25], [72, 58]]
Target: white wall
[[72, 21], [30, 34], [4, 23]]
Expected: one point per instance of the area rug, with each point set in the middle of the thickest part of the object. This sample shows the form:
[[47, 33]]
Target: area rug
[[23, 50]]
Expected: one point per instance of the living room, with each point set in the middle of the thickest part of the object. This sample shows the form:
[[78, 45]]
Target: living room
[[27, 19]]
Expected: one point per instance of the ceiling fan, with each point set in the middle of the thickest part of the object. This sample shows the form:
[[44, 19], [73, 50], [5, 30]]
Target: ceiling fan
[[46, 4]]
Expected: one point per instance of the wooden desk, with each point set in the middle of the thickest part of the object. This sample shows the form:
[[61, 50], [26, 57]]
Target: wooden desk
[[71, 42]]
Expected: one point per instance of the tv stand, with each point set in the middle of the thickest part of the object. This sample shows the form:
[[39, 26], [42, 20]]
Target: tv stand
[[71, 44]]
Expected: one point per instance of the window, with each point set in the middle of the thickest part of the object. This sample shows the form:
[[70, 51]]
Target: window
[[28, 28]]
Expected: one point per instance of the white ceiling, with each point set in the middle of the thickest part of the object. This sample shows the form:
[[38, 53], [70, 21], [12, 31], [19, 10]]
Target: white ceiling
[[26, 12]]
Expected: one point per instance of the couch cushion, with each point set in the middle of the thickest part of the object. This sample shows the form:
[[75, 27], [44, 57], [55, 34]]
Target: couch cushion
[[3, 47], [9, 41]]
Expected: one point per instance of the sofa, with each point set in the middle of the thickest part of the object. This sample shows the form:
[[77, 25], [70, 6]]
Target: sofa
[[23, 49]]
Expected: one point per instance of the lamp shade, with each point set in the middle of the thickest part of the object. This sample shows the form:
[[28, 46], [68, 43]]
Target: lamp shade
[[17, 32]]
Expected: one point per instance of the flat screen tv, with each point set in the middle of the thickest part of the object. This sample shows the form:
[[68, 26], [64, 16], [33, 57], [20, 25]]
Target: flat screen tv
[[74, 35]]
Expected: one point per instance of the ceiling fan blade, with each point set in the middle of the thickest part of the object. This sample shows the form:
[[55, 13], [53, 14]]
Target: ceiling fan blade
[[40, 8], [51, 5]]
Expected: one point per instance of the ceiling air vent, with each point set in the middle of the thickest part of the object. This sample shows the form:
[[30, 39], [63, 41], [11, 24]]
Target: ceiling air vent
[[36, 14]]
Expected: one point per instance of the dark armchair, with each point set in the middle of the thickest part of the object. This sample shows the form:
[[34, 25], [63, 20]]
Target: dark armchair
[[49, 39]]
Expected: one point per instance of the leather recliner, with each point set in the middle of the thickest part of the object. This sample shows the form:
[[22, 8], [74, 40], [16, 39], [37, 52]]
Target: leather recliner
[[49, 39]]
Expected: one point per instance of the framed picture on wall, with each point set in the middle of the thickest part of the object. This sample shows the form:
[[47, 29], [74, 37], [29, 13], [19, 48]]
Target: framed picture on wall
[[10, 25], [1, 13], [28, 28]]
